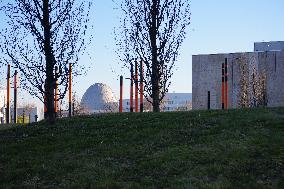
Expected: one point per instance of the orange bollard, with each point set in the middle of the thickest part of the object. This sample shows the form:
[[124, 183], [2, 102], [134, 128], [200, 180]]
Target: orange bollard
[[8, 95], [56, 99], [136, 86], [70, 90], [56, 94], [131, 88], [141, 86]]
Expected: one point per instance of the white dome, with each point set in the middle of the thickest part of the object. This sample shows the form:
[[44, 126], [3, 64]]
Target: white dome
[[99, 98]]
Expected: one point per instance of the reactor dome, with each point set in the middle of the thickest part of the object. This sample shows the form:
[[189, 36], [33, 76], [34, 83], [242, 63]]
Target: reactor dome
[[99, 98]]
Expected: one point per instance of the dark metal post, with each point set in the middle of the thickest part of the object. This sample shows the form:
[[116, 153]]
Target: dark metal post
[[73, 109], [226, 83], [223, 79], [15, 96], [44, 99], [23, 115], [121, 94], [208, 101], [131, 87]]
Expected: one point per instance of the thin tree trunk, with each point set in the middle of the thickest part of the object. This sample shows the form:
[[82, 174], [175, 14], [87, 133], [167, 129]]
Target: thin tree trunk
[[155, 90], [155, 64], [49, 63]]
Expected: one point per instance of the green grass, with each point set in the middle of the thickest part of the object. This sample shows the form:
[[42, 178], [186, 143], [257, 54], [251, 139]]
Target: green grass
[[199, 149]]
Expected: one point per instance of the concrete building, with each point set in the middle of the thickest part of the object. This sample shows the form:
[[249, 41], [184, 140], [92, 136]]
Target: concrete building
[[268, 58], [177, 102], [126, 105], [2, 104], [99, 98], [171, 102], [28, 113], [25, 114], [269, 46]]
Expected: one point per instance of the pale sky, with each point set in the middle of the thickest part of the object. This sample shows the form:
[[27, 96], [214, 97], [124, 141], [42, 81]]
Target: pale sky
[[217, 26]]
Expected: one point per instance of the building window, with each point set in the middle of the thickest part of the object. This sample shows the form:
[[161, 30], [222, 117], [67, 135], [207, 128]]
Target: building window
[[171, 102]]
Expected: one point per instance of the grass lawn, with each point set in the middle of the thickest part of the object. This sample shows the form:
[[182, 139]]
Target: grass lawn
[[198, 149]]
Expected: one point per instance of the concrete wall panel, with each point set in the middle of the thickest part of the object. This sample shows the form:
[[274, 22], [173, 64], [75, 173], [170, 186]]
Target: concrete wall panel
[[207, 76]]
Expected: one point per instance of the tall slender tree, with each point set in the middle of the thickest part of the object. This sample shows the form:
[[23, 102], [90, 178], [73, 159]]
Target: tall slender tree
[[253, 83], [43, 36], [152, 31]]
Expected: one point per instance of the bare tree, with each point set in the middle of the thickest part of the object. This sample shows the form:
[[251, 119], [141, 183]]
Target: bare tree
[[44, 37], [258, 87], [252, 84], [244, 83], [78, 108], [152, 31]]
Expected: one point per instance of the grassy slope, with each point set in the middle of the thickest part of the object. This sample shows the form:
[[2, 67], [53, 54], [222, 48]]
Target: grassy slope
[[202, 149]]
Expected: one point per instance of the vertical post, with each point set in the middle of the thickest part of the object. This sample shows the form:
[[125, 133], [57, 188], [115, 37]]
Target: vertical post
[[15, 96], [56, 93], [60, 110], [8, 96], [136, 86], [2, 111], [226, 83], [208, 101], [141, 86], [131, 87], [121, 94], [23, 115], [73, 109], [44, 99], [70, 90], [223, 79]]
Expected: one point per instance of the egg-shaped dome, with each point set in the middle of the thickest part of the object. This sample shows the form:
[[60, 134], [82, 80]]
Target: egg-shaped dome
[[99, 98]]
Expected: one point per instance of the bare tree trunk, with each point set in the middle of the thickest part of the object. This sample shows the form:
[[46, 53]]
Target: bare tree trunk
[[155, 64], [49, 60], [155, 89], [244, 83]]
